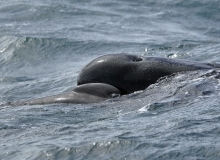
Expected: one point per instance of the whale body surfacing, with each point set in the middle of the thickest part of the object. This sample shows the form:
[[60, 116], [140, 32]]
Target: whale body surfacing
[[117, 74], [86, 93], [130, 73]]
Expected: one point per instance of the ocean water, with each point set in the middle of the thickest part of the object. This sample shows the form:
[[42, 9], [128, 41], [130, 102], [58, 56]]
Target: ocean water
[[43, 46]]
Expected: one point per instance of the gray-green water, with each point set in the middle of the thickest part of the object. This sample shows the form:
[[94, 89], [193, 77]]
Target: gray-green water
[[45, 44]]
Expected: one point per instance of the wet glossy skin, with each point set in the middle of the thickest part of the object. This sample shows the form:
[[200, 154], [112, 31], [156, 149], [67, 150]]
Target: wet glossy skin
[[87, 93], [117, 74], [131, 73]]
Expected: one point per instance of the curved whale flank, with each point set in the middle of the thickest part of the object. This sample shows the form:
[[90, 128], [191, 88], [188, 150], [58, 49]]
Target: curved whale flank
[[118, 74], [87, 93], [131, 73]]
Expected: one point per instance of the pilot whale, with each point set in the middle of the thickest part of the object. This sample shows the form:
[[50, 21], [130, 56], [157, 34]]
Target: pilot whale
[[130, 73], [86, 93], [118, 74]]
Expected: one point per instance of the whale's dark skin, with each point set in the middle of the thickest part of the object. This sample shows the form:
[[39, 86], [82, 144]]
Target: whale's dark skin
[[87, 93], [131, 73], [118, 74]]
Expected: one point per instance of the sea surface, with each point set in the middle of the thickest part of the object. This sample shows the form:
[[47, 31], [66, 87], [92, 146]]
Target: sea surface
[[44, 44]]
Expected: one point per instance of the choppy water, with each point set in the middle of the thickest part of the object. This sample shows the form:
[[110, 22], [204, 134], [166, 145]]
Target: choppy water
[[43, 46]]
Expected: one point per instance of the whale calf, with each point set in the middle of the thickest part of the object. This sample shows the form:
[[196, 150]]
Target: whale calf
[[117, 74], [86, 93]]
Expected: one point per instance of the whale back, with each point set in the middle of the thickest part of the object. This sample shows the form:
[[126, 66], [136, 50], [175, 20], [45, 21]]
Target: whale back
[[97, 89], [131, 73]]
